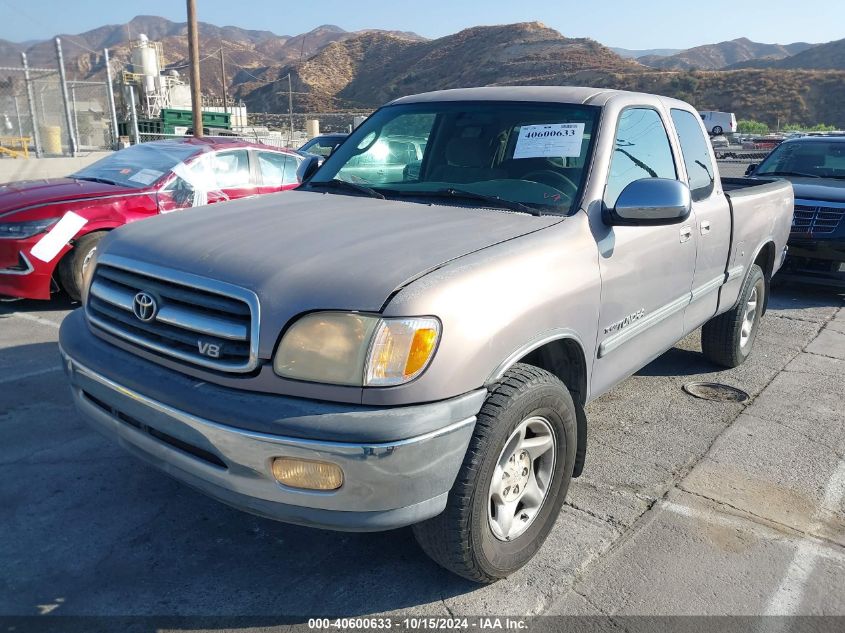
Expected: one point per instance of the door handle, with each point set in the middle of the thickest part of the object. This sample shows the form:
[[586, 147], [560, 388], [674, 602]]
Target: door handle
[[686, 233], [705, 227]]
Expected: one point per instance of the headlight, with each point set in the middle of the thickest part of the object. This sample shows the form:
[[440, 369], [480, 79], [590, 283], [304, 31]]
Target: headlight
[[23, 230], [356, 349]]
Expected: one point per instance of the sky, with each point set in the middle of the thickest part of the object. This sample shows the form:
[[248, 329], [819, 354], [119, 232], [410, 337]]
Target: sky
[[624, 23]]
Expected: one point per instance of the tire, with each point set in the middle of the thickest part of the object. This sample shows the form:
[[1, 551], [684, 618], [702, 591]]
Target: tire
[[73, 264], [717, 130], [462, 538], [728, 339]]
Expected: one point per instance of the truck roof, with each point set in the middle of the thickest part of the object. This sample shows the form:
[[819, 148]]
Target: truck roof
[[558, 94]]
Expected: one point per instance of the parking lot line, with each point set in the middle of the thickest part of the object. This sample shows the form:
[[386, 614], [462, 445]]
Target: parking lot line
[[30, 374], [36, 319], [787, 599], [806, 543]]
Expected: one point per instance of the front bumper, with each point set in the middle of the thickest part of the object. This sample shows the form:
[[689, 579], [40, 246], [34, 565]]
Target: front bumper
[[22, 275], [387, 484], [816, 260]]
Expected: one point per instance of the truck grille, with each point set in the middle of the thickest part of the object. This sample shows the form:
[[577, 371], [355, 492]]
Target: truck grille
[[190, 318], [818, 220]]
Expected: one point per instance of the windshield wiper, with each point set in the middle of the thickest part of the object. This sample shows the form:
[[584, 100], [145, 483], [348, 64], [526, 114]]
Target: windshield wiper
[[105, 181], [349, 186], [799, 174], [472, 195]]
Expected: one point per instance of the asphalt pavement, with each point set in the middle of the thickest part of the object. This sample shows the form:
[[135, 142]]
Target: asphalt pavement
[[686, 506]]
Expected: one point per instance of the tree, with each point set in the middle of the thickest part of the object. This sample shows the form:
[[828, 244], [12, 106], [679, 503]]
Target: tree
[[749, 126]]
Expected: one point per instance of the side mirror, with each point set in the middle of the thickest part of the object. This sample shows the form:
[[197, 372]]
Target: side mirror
[[307, 168], [750, 169], [651, 201]]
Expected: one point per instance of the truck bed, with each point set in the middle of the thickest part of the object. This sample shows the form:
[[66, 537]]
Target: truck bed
[[734, 184], [759, 208]]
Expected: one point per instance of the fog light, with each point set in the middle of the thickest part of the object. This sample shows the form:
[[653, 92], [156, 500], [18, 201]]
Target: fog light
[[307, 474]]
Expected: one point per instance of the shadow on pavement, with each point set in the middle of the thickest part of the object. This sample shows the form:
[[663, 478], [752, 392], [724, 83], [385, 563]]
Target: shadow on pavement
[[90, 530], [57, 302]]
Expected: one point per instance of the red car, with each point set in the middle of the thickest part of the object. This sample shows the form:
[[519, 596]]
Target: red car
[[50, 228]]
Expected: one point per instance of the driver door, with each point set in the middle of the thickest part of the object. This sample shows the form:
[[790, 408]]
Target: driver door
[[213, 177], [646, 270]]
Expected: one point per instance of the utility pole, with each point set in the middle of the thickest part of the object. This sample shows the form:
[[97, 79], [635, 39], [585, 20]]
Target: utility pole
[[194, 56], [290, 109], [71, 136], [223, 78], [30, 97], [110, 92]]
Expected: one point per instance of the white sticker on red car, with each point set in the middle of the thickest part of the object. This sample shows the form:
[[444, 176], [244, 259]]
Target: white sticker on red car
[[549, 140], [54, 241], [146, 176]]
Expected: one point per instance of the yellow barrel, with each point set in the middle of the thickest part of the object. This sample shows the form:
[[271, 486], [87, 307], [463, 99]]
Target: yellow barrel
[[51, 139]]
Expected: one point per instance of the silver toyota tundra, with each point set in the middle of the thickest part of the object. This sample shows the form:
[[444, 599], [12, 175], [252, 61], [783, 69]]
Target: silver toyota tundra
[[410, 338]]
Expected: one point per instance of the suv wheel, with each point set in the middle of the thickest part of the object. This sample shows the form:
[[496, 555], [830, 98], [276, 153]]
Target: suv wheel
[[513, 481]]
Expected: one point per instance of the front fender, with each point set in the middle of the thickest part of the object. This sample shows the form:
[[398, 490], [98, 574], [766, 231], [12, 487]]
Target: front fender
[[499, 303]]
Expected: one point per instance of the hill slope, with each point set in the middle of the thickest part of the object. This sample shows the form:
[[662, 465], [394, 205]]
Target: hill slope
[[369, 69], [830, 56], [716, 56], [245, 50]]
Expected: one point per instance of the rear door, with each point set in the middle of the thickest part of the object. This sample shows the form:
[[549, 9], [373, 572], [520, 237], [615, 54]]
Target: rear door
[[276, 171], [646, 270], [712, 218], [231, 176]]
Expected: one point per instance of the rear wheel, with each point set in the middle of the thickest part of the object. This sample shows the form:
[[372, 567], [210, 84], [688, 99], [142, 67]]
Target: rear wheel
[[727, 339], [513, 481], [717, 130], [73, 266]]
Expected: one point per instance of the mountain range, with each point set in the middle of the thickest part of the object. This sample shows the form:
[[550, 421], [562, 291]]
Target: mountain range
[[332, 69], [722, 55]]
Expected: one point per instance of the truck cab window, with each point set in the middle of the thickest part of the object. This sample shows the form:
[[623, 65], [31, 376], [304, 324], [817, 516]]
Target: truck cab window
[[642, 150], [696, 153]]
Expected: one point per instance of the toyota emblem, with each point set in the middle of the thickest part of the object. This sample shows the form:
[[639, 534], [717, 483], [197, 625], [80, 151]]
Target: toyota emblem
[[144, 306]]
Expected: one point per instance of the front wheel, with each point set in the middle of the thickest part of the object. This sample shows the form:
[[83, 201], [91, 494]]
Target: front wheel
[[73, 266], [727, 339], [513, 481]]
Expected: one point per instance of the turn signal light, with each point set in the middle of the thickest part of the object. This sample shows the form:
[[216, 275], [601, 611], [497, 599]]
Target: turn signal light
[[307, 474]]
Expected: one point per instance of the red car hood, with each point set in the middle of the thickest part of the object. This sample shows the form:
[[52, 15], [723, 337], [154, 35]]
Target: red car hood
[[15, 196]]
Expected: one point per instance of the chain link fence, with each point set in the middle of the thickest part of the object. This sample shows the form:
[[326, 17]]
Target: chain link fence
[[44, 114], [733, 163]]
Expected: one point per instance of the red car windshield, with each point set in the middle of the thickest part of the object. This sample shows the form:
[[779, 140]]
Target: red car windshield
[[138, 166]]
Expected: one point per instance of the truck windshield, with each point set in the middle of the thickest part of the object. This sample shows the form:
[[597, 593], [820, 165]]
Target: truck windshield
[[529, 157], [810, 159], [138, 166]]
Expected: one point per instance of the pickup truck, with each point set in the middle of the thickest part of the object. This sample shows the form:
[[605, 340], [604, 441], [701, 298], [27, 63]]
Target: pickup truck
[[356, 355]]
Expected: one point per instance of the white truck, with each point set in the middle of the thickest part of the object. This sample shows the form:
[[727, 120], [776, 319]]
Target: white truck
[[718, 123]]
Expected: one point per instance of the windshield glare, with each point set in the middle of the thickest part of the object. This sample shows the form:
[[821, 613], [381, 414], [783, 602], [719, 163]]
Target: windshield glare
[[822, 159], [138, 166], [529, 153]]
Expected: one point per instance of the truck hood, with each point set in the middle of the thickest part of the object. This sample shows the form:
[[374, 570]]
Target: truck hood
[[301, 251], [819, 189], [15, 196]]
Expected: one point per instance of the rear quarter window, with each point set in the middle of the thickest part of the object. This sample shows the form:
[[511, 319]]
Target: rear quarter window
[[696, 154]]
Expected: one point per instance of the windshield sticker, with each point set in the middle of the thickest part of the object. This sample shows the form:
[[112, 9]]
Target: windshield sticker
[[62, 232], [146, 176], [551, 140]]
